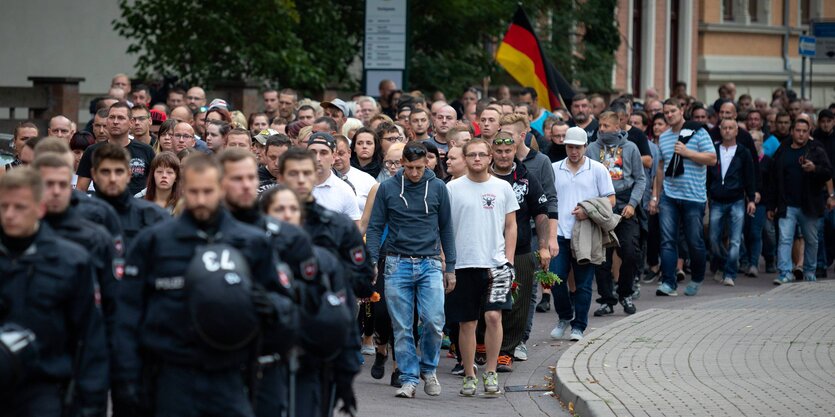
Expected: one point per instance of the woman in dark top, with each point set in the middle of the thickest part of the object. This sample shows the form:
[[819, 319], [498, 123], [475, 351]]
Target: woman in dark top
[[366, 152]]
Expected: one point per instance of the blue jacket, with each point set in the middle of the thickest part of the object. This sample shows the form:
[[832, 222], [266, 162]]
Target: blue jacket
[[419, 219]]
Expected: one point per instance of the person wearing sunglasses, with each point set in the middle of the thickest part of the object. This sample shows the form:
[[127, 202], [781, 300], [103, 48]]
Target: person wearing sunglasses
[[416, 207], [533, 204]]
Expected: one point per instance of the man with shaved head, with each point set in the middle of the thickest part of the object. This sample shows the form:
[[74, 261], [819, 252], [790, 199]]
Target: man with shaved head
[[61, 127], [443, 121], [183, 136], [195, 98]]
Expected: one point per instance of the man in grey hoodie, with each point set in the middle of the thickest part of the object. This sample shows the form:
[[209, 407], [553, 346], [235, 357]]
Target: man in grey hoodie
[[623, 160], [415, 206]]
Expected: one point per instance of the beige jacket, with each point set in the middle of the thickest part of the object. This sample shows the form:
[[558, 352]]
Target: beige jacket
[[591, 237]]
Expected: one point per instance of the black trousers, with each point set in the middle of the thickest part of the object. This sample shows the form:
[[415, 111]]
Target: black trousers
[[628, 232]]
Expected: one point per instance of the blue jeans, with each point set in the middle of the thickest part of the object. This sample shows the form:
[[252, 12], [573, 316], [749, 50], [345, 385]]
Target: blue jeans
[[754, 230], [574, 307], [809, 228], [689, 214], [409, 280], [724, 217]]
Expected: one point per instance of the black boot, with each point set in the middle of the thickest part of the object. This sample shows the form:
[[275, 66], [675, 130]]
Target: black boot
[[544, 304]]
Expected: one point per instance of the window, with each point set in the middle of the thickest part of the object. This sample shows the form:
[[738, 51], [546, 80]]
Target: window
[[805, 12], [753, 10], [728, 10]]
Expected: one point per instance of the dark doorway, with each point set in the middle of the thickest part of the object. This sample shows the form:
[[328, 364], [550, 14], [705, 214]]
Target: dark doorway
[[637, 45], [675, 8]]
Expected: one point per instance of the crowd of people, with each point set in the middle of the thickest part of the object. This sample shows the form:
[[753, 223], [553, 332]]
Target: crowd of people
[[178, 257]]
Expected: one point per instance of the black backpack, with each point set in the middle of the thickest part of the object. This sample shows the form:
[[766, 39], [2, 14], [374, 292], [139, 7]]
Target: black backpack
[[218, 285]]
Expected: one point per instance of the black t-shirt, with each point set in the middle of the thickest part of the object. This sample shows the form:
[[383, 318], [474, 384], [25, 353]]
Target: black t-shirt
[[141, 156], [532, 202], [591, 129], [639, 138], [265, 179], [793, 175], [556, 152]]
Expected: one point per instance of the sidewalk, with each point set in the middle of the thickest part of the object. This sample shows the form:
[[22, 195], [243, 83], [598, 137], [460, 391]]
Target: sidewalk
[[765, 355]]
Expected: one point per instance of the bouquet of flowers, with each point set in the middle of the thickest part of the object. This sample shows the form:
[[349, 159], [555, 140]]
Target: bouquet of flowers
[[514, 290], [547, 279]]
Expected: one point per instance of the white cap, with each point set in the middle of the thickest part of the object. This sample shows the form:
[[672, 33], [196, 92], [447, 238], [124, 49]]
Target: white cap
[[576, 136]]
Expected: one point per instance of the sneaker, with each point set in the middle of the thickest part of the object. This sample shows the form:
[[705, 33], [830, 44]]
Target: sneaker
[[491, 382], [810, 278], [458, 370], [770, 268], [395, 378], [665, 290], [521, 352], [752, 272], [576, 335], [650, 276], [469, 386], [504, 364], [431, 386], [692, 288], [728, 282], [680, 276], [719, 276], [378, 369], [445, 342], [798, 274], [783, 280], [820, 273], [636, 289], [480, 354], [604, 310], [544, 304], [406, 391], [367, 350], [628, 305], [560, 329]]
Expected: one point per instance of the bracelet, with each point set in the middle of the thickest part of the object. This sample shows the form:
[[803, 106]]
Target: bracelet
[[654, 198]]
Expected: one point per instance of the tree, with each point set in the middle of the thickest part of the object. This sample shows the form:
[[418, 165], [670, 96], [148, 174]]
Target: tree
[[306, 46]]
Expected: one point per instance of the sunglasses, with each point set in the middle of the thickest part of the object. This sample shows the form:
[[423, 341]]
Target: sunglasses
[[503, 141], [413, 153]]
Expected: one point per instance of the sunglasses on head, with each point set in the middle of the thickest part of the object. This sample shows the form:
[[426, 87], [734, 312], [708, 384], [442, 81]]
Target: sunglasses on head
[[503, 141], [412, 153]]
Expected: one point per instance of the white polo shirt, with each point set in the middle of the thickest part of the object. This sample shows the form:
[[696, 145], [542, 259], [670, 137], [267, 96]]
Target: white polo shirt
[[362, 183], [592, 180], [335, 194]]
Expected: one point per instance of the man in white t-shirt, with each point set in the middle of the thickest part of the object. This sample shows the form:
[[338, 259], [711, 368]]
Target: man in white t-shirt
[[330, 191], [577, 178], [484, 219], [362, 182]]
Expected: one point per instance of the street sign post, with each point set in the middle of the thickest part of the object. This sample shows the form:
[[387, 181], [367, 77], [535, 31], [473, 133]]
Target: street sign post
[[385, 43], [824, 34], [806, 46]]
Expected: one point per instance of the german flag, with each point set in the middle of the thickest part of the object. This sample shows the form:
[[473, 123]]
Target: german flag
[[522, 57]]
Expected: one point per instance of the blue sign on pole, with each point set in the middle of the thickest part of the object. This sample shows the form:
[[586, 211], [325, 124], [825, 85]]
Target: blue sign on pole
[[807, 46], [824, 33]]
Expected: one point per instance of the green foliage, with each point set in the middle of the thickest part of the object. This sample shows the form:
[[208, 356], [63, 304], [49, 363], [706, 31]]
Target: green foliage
[[591, 65], [306, 45]]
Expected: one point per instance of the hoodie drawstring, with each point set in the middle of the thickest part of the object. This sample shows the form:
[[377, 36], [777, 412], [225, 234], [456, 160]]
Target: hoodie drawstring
[[425, 194]]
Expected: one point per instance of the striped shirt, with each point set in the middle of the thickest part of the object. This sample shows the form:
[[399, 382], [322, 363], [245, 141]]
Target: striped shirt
[[692, 185]]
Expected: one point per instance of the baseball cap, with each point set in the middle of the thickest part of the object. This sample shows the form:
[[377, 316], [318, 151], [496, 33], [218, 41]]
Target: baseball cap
[[322, 138], [157, 117], [576, 136], [826, 113], [220, 103], [337, 104], [263, 135]]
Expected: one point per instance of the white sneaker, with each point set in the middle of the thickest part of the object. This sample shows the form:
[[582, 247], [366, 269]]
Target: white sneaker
[[521, 352], [576, 335], [728, 282], [431, 384], [559, 330], [719, 275], [407, 390]]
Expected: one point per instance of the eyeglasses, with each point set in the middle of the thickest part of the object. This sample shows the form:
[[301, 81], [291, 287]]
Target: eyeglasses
[[393, 138], [393, 164], [474, 155], [503, 141], [183, 137]]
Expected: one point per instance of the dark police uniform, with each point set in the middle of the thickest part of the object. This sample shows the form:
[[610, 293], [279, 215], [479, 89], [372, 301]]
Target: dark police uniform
[[99, 212], [135, 214], [46, 286], [339, 234], [98, 242], [153, 325]]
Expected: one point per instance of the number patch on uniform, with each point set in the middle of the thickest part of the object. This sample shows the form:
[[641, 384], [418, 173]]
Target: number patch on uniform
[[214, 263]]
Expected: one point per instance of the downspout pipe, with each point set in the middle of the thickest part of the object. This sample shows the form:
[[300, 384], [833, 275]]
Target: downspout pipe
[[787, 65]]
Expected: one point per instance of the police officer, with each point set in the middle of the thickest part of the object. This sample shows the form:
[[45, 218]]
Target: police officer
[[336, 337], [46, 288], [56, 172], [112, 174], [192, 355], [339, 235], [293, 246]]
